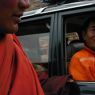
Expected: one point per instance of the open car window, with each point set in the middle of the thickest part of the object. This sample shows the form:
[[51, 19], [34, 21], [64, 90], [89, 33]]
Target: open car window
[[73, 35]]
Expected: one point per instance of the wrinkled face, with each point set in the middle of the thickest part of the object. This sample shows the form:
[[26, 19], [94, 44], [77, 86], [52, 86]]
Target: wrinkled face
[[10, 12], [90, 36]]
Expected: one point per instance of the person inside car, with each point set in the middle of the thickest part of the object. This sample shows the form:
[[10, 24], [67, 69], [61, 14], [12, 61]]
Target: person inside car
[[17, 75], [82, 64]]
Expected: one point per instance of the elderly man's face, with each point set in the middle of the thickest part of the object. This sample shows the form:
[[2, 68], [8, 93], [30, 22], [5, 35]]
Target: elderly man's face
[[10, 12], [90, 36]]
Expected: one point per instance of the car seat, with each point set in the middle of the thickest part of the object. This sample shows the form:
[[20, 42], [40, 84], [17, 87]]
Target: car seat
[[72, 48]]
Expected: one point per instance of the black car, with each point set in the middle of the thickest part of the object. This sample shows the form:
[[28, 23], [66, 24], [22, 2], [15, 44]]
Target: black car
[[46, 35]]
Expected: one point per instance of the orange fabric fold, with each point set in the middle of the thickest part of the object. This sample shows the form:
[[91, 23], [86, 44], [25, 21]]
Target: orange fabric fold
[[17, 75]]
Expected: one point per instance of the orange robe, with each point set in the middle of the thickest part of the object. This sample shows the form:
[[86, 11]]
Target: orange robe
[[82, 65], [17, 75]]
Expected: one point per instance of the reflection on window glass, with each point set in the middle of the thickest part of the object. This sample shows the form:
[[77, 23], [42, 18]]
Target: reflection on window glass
[[36, 46], [43, 43]]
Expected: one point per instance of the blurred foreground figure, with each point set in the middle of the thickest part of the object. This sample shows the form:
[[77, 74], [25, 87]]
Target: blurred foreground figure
[[17, 75]]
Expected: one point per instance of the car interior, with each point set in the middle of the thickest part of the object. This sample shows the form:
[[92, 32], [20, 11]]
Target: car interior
[[74, 39]]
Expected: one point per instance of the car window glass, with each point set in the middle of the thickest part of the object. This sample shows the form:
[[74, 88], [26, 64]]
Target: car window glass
[[34, 37]]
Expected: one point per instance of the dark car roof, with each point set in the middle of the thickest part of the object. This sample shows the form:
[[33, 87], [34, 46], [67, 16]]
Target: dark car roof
[[55, 8]]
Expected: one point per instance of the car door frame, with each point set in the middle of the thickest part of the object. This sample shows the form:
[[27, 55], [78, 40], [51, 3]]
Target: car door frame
[[85, 87]]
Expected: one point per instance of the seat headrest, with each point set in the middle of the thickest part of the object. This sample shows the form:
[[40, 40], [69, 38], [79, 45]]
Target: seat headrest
[[72, 48]]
